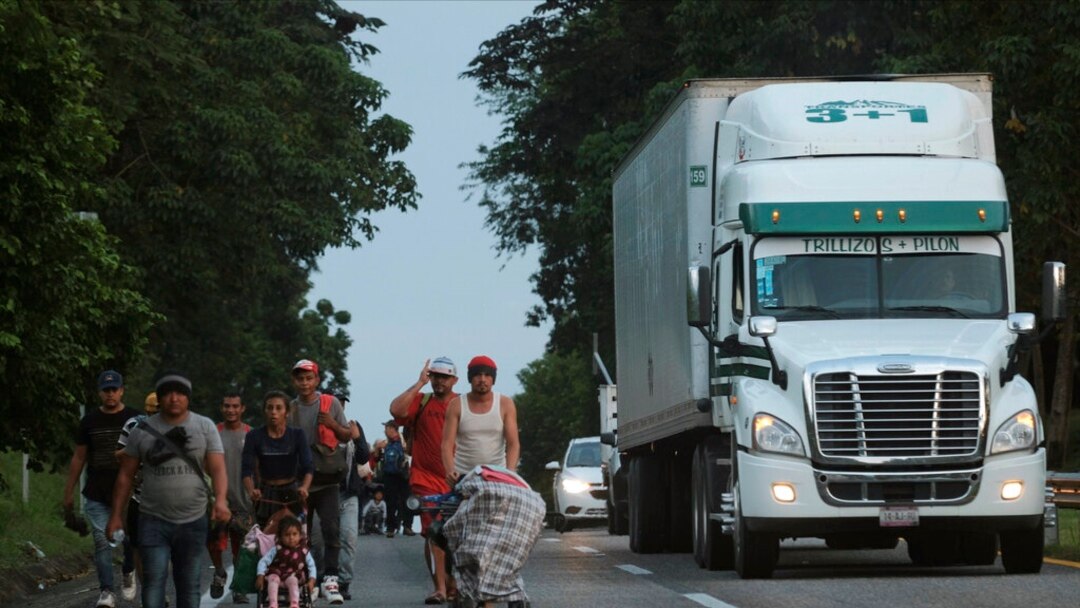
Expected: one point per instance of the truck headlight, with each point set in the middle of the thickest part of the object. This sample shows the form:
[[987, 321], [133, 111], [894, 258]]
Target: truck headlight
[[1016, 433], [774, 435], [574, 486]]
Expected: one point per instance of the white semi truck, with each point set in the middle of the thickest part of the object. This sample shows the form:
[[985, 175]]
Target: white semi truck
[[816, 332]]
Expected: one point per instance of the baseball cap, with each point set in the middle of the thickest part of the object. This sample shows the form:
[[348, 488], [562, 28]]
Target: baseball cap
[[443, 365], [391, 422], [307, 365], [109, 379]]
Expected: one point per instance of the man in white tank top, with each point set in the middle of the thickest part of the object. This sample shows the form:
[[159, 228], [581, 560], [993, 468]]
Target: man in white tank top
[[481, 425]]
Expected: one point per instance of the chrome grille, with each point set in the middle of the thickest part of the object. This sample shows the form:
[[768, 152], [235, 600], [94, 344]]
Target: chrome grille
[[913, 416]]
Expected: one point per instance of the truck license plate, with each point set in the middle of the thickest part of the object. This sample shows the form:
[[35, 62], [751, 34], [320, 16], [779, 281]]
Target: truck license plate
[[898, 517]]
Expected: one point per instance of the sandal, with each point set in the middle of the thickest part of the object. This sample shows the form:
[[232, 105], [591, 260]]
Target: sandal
[[452, 594], [435, 598]]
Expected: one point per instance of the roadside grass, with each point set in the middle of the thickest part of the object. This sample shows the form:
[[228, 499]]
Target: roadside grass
[[1068, 546], [38, 521]]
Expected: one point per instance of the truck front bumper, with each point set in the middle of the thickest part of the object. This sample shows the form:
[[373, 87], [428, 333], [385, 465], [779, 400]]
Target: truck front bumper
[[815, 510]]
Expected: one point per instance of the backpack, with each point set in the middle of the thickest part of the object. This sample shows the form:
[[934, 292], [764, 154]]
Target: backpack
[[409, 430], [393, 459]]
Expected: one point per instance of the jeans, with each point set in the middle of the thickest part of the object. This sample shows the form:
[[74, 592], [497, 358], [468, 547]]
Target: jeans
[[97, 513], [162, 541], [349, 519], [323, 505]]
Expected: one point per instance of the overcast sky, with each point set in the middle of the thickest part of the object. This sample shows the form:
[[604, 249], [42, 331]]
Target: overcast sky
[[430, 283]]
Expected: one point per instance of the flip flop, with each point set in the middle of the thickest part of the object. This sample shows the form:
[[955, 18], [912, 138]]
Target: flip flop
[[435, 598]]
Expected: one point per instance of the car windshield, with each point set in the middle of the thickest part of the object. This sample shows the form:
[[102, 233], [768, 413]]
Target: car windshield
[[584, 455], [884, 277]]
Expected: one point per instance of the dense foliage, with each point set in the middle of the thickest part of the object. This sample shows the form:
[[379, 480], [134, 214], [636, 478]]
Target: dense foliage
[[579, 81], [223, 146]]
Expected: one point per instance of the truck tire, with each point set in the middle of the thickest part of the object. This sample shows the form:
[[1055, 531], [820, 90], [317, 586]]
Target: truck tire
[[1022, 550], [680, 511], [978, 548], [648, 516], [616, 522], [713, 549], [755, 552]]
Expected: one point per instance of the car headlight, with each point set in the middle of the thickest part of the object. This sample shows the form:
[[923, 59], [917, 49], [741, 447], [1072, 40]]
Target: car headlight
[[1016, 433], [574, 486], [774, 435]]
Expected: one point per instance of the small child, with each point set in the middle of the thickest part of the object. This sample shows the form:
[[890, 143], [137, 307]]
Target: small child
[[287, 561], [374, 514]]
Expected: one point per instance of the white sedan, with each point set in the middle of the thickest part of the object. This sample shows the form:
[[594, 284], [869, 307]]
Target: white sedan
[[580, 493]]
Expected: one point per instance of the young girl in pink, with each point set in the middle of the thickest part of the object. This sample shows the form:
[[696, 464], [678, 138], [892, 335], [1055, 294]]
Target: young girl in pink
[[289, 561]]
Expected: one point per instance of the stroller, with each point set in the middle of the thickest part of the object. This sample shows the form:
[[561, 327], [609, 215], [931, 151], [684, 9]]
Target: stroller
[[465, 525], [256, 544]]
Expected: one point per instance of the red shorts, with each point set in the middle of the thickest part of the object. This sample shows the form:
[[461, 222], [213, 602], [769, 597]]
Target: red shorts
[[427, 490]]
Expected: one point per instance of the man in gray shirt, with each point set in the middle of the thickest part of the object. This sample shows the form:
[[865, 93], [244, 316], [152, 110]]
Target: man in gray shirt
[[323, 497], [173, 522]]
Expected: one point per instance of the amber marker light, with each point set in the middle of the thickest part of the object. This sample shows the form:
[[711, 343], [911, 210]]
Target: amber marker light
[[982, 215], [776, 216], [857, 215], [880, 216], [903, 216]]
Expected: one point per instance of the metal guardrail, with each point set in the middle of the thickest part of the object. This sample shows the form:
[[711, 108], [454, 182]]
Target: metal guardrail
[[1065, 488]]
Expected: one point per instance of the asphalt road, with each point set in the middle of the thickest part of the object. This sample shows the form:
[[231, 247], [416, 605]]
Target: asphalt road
[[589, 568]]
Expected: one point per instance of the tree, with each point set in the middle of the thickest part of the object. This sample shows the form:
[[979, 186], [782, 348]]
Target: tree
[[246, 145], [558, 402], [580, 80], [68, 304]]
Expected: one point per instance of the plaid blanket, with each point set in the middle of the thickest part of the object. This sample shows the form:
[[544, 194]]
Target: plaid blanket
[[490, 538]]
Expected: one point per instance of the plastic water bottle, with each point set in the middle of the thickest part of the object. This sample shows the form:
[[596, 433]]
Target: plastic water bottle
[[117, 538]]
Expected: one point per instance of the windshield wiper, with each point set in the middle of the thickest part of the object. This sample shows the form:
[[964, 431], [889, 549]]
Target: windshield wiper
[[831, 313], [930, 309]]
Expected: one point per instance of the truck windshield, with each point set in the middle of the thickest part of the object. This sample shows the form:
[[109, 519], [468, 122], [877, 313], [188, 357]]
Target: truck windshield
[[893, 276]]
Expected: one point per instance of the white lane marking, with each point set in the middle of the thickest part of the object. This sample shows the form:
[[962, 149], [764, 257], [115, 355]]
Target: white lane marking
[[707, 600], [586, 549], [632, 569], [551, 540]]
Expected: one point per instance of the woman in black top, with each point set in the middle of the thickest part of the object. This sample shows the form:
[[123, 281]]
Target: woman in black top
[[278, 457]]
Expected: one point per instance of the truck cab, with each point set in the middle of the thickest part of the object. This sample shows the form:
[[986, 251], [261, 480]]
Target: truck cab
[[849, 371]]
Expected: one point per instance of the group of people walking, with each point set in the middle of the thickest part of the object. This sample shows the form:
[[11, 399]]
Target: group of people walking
[[185, 483]]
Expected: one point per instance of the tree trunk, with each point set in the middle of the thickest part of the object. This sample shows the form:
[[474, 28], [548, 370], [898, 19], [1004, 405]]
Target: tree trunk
[[1061, 402]]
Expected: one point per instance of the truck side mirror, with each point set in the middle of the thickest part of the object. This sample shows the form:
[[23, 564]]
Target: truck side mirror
[[607, 438], [552, 466], [762, 327], [699, 296], [1054, 298]]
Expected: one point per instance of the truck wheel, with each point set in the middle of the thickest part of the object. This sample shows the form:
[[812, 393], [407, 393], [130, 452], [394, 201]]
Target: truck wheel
[[755, 552], [978, 548], [616, 518], [561, 524], [648, 516], [712, 548], [1022, 550], [680, 510]]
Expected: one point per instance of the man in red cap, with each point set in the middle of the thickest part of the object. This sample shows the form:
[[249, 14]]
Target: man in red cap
[[328, 428], [481, 426], [425, 414]]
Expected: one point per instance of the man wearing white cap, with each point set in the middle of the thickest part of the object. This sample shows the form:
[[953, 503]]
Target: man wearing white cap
[[424, 414]]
